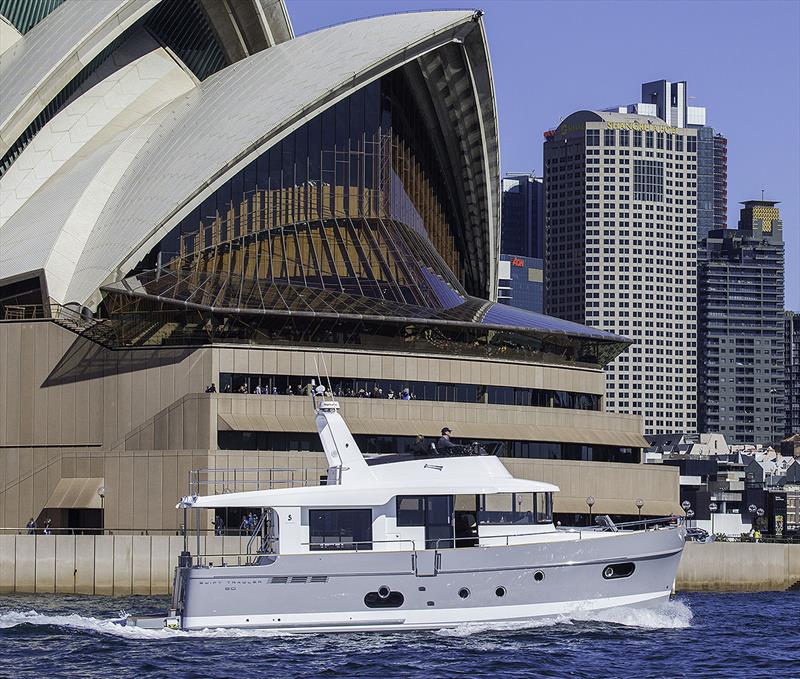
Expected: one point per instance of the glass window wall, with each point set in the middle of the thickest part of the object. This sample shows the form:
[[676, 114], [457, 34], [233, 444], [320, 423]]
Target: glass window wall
[[321, 207], [405, 390], [369, 444]]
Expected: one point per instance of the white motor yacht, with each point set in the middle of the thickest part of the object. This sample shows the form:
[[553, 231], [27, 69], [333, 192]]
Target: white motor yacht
[[416, 543]]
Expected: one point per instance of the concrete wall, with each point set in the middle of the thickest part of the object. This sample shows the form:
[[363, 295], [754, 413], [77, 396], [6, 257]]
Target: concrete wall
[[60, 390], [140, 564], [738, 567], [116, 565], [140, 421], [468, 420]]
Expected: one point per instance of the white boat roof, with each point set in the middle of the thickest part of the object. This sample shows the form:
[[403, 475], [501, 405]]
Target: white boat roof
[[483, 475]]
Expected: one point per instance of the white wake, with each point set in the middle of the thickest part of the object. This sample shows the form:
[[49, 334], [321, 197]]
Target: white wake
[[115, 627], [671, 615]]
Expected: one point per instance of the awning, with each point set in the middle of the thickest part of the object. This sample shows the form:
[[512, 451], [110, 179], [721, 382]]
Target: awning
[[563, 504], [463, 431], [80, 493]]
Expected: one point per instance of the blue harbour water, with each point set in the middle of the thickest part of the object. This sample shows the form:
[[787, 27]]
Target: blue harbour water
[[695, 635]]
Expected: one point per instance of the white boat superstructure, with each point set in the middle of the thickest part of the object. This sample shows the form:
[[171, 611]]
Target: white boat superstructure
[[417, 543]]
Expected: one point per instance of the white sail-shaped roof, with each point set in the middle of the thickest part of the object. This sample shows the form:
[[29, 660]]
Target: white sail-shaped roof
[[39, 65], [180, 153]]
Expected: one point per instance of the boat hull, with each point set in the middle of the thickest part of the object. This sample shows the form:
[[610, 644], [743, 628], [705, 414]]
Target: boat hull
[[433, 589]]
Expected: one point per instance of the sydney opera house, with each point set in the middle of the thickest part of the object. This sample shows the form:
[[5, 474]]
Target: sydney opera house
[[191, 194]]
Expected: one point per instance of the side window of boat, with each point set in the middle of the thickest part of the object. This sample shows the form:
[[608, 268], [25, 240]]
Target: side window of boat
[[340, 529], [410, 510], [544, 507], [506, 508]]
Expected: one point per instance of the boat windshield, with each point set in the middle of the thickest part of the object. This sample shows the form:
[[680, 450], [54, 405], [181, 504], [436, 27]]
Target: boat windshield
[[515, 508]]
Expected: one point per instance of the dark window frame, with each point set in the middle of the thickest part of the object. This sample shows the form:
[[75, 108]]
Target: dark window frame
[[329, 534]]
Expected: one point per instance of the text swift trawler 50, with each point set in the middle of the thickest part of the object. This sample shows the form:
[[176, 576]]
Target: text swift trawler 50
[[419, 543]]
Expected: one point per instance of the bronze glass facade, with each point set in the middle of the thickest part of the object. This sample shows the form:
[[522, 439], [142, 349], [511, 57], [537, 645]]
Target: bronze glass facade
[[349, 231]]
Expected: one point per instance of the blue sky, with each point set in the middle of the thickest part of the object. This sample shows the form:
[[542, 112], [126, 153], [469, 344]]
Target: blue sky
[[741, 61]]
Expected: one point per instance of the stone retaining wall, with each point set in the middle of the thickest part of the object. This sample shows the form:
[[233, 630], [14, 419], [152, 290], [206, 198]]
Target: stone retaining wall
[[116, 565], [738, 567], [120, 565]]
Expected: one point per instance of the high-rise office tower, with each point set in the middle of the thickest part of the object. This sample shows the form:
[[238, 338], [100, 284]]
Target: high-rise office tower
[[521, 282], [791, 348], [520, 273], [741, 327], [522, 221], [669, 101], [620, 254]]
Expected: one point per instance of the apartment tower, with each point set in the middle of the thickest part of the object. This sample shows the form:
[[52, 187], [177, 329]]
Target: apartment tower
[[741, 319], [791, 350]]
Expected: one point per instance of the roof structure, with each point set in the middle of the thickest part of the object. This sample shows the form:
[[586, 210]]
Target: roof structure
[[144, 138], [430, 476], [144, 179], [34, 70], [579, 117]]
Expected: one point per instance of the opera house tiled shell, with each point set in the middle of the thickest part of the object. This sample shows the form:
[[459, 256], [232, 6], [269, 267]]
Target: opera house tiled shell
[[183, 175]]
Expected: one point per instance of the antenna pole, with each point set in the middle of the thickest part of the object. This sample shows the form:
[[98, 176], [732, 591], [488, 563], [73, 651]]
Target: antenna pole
[[313, 389], [328, 377]]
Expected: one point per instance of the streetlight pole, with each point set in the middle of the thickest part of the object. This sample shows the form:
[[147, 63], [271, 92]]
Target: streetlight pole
[[590, 504], [712, 508], [101, 492], [639, 505], [752, 510]]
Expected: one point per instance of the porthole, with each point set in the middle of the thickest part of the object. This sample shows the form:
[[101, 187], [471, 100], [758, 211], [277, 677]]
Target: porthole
[[463, 593], [538, 576], [500, 591], [619, 570]]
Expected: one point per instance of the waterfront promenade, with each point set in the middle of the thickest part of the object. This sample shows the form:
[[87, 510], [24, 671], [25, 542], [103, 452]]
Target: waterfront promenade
[[121, 565]]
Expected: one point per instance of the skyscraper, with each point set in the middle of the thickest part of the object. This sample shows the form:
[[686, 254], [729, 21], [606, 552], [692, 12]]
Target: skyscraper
[[521, 282], [621, 221], [670, 102], [520, 273], [791, 348], [522, 221], [740, 313]]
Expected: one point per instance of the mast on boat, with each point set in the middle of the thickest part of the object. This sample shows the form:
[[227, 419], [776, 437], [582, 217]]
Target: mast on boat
[[346, 464]]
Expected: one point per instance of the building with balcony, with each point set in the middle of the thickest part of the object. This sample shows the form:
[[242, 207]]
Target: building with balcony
[[194, 196], [791, 353], [742, 368]]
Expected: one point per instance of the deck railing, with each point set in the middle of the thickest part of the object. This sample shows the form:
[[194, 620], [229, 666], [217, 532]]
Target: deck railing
[[221, 480]]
